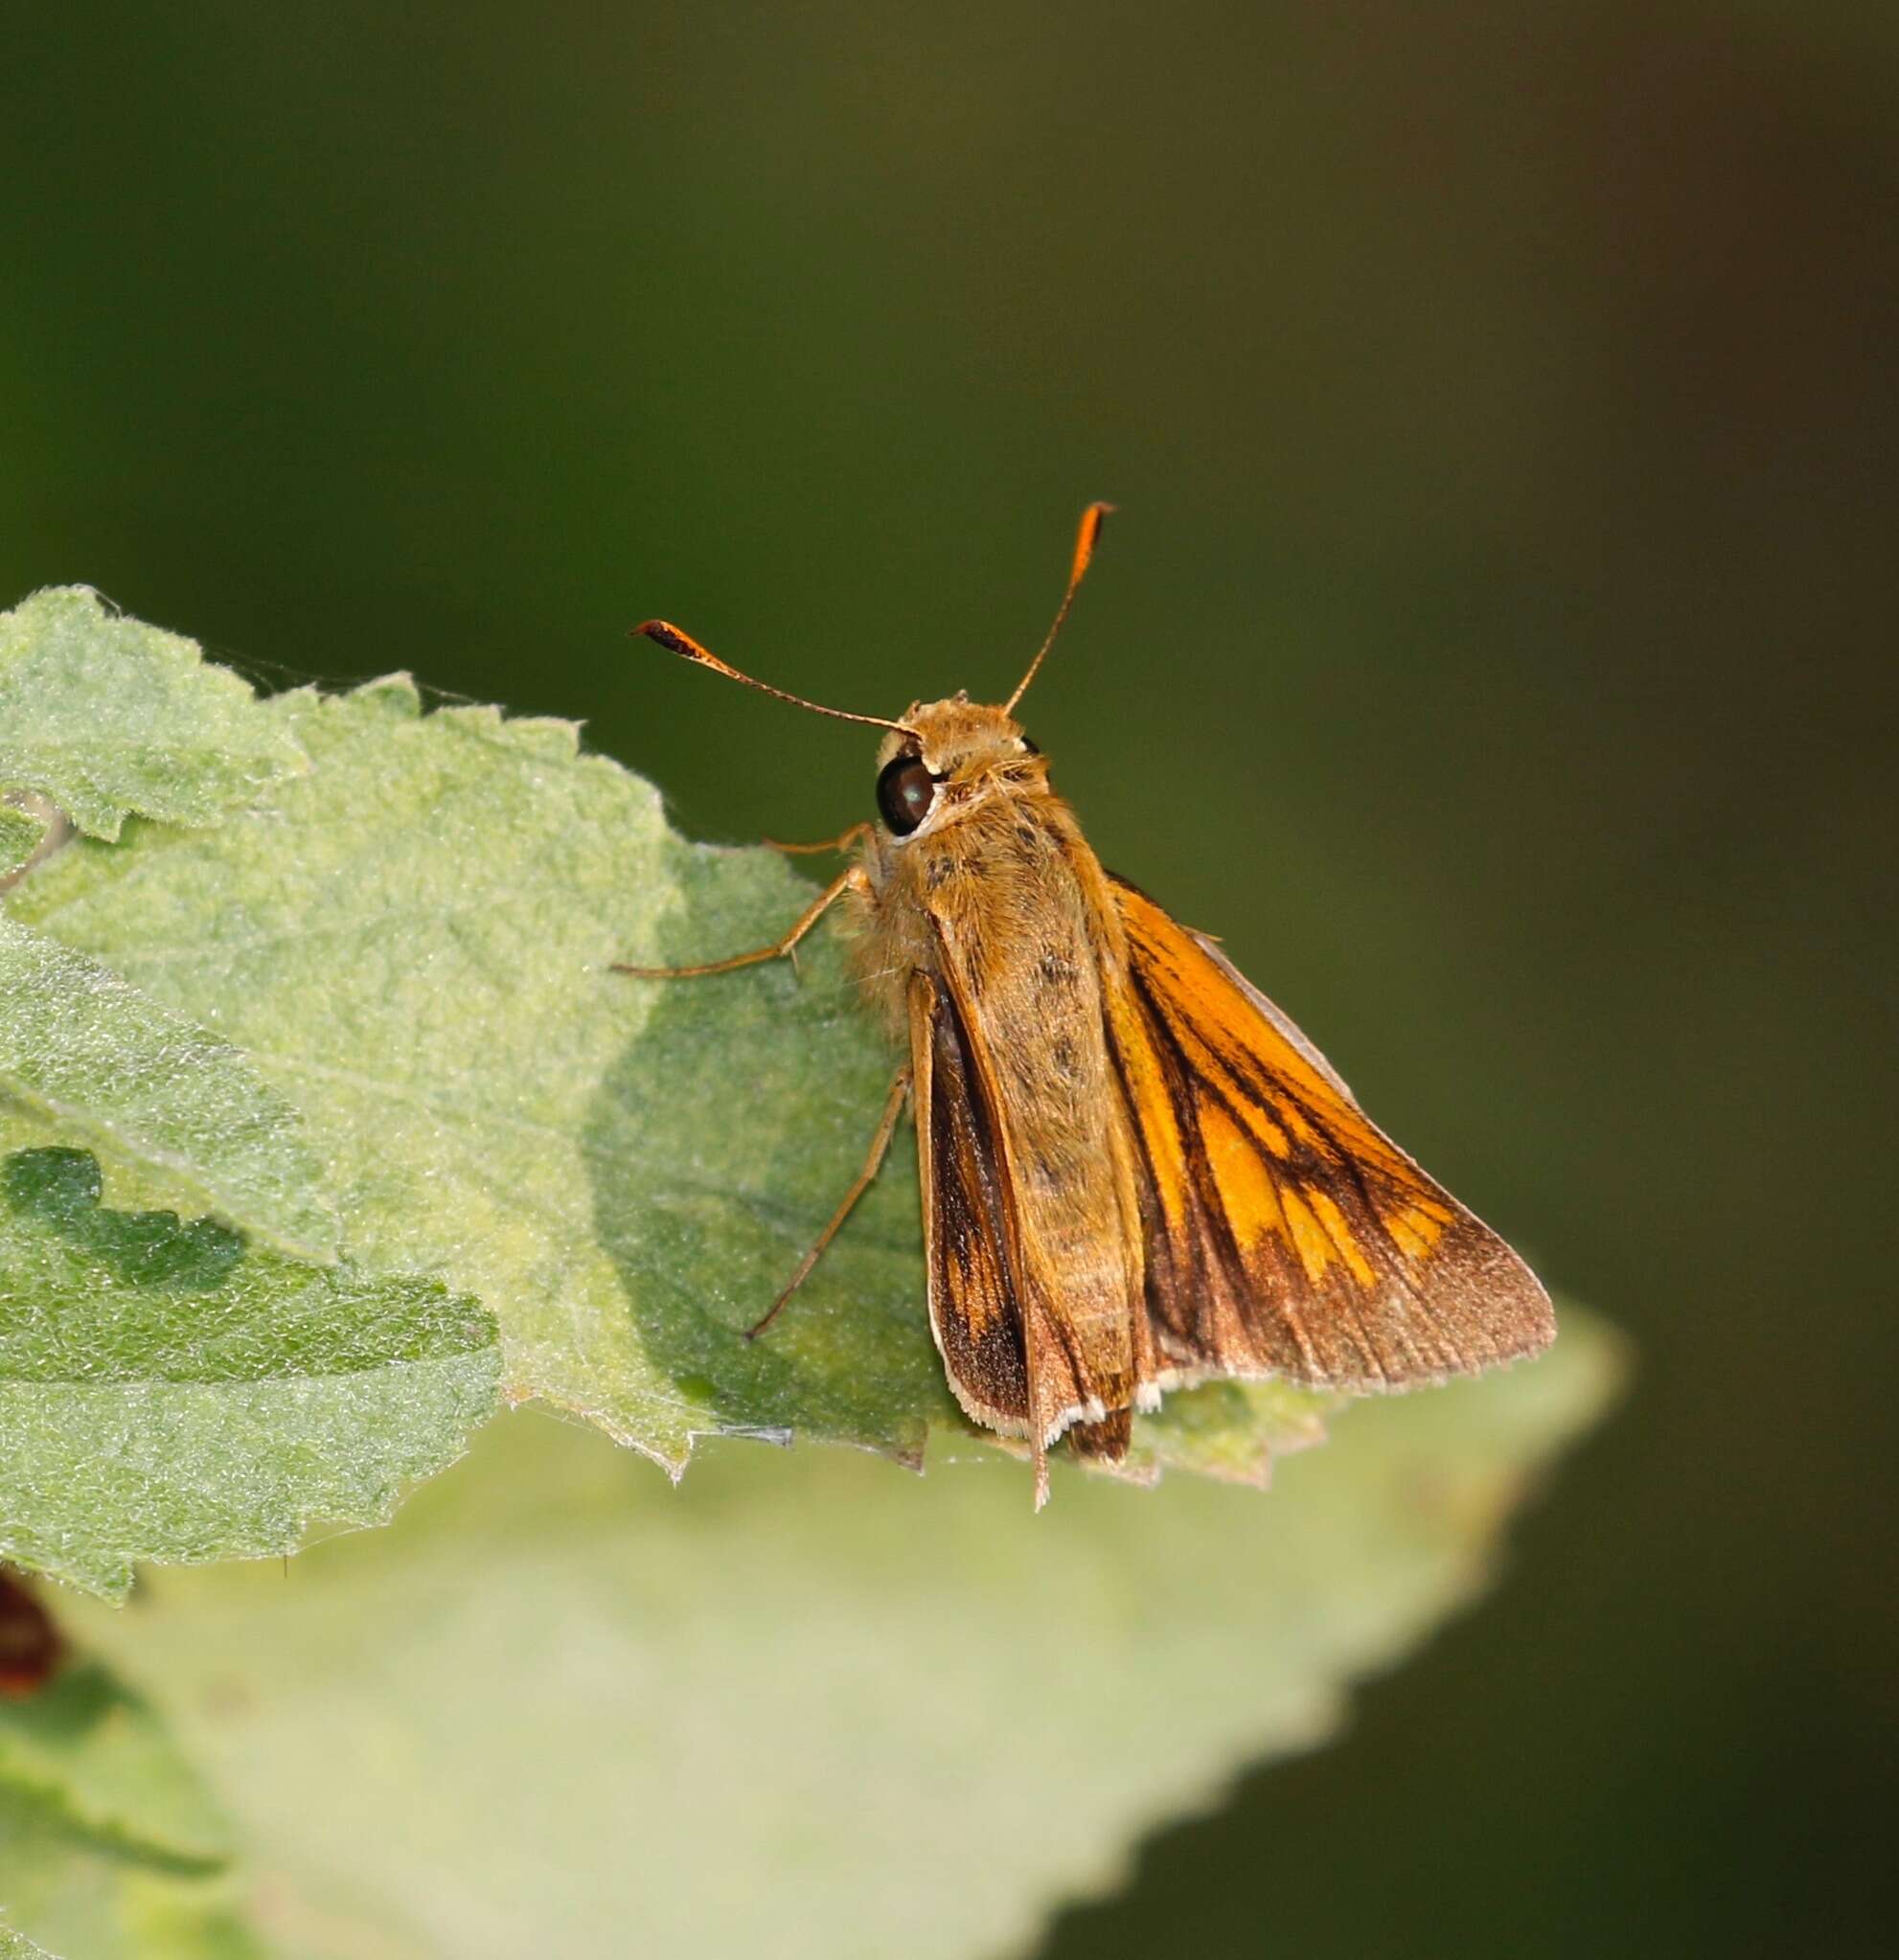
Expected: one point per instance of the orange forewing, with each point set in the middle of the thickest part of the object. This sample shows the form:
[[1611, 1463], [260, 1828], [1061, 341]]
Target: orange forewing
[[1284, 1233]]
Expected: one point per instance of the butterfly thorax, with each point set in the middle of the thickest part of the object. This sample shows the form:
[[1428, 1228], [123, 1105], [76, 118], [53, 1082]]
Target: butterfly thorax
[[998, 867]]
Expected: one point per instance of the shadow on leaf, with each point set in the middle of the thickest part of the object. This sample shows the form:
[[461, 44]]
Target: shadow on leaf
[[720, 1144], [60, 1190]]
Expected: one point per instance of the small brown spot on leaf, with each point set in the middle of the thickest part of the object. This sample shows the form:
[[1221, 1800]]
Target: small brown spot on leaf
[[30, 1647]]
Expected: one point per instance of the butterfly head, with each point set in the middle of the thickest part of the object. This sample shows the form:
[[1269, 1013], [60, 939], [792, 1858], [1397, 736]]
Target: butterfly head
[[947, 756]]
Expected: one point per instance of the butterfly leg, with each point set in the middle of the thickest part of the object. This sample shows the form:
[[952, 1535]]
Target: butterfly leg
[[880, 1149], [853, 879], [844, 840]]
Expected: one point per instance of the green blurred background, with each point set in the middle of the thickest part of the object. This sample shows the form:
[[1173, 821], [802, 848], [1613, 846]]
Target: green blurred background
[[1494, 645]]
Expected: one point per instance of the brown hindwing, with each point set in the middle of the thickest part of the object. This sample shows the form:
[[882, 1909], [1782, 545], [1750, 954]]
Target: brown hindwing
[[973, 1308], [1284, 1233]]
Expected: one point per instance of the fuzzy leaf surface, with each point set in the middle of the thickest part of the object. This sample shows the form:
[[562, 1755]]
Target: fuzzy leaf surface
[[106, 717], [20, 834], [99, 1061], [171, 1391]]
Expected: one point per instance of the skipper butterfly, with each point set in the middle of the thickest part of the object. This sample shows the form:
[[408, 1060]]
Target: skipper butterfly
[[1137, 1173]]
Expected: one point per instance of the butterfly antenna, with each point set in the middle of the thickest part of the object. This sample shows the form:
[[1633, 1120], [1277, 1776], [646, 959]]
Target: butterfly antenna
[[663, 635], [1085, 544]]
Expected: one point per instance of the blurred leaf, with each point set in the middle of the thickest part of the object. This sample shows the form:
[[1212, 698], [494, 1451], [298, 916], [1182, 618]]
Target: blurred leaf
[[106, 717], [413, 944], [107, 1065], [89, 1899], [167, 1391], [109, 1842], [95, 1754], [801, 1707]]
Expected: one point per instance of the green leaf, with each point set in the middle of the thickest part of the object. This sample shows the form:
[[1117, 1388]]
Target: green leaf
[[105, 717], [21, 831], [91, 1899], [95, 1755], [414, 944], [170, 1391], [800, 1706], [109, 1841], [104, 1065]]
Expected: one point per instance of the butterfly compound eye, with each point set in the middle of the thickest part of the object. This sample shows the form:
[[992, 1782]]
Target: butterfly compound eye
[[905, 792]]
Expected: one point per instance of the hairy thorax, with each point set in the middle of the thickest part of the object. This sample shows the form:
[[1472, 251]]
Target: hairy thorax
[[999, 879]]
